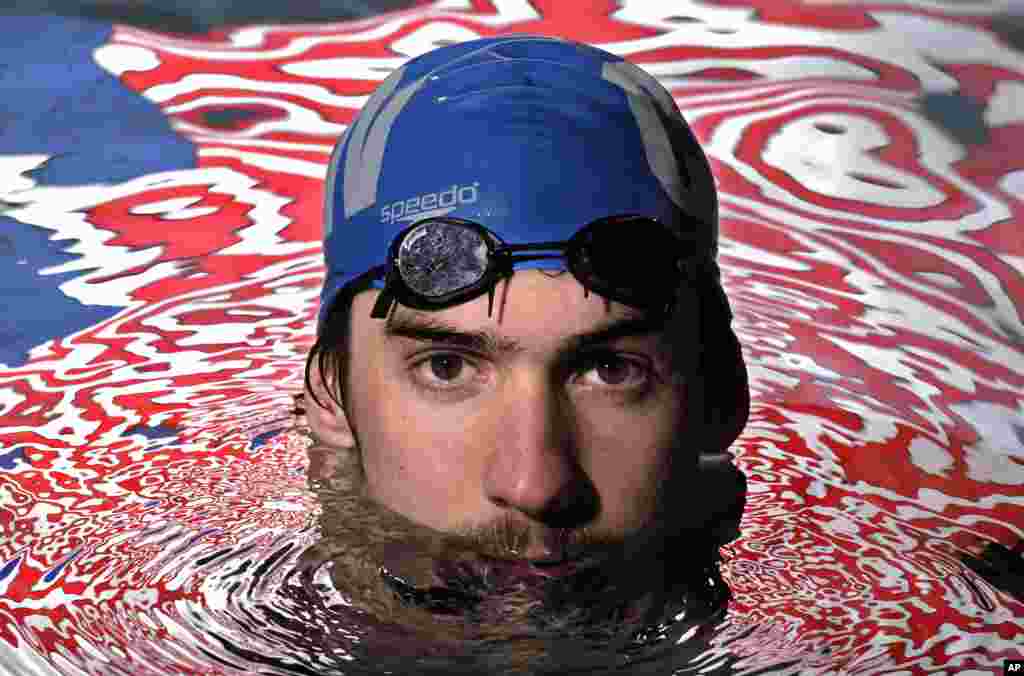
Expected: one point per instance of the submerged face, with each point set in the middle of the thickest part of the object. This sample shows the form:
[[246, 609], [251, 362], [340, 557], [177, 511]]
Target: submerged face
[[558, 415], [526, 468]]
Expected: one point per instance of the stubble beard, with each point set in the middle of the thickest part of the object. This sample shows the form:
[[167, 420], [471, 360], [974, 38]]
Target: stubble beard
[[434, 585]]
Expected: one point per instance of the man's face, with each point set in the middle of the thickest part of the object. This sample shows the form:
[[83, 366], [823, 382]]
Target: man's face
[[558, 414]]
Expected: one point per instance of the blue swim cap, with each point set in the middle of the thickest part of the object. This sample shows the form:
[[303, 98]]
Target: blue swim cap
[[532, 137]]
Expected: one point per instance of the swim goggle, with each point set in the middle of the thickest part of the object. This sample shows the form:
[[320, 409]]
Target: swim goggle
[[439, 262]]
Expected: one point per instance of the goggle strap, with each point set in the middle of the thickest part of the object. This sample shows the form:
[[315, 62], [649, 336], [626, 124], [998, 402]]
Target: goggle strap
[[385, 300], [381, 307]]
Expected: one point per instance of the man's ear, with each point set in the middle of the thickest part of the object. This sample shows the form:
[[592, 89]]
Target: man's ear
[[327, 420]]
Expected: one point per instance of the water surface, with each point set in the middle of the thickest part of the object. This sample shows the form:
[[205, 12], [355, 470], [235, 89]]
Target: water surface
[[160, 232]]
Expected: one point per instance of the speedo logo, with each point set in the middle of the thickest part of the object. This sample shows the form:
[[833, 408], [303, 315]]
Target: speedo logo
[[409, 209]]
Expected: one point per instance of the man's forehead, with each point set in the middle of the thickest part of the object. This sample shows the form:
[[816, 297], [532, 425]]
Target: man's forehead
[[493, 337], [473, 315]]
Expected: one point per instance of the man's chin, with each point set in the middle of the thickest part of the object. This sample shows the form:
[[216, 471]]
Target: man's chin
[[593, 595], [473, 597], [405, 574]]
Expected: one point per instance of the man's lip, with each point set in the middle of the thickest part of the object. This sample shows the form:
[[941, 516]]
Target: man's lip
[[555, 550], [511, 569], [553, 560], [549, 566]]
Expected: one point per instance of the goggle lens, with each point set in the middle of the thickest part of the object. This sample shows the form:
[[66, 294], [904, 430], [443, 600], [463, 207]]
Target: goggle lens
[[437, 259], [633, 261]]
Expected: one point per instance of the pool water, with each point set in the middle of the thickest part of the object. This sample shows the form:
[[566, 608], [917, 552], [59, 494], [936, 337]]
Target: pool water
[[160, 205]]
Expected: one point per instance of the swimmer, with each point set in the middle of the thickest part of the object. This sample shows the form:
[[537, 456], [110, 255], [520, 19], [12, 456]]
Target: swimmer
[[524, 383]]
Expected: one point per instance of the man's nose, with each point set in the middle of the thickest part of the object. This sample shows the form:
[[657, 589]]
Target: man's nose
[[534, 467]]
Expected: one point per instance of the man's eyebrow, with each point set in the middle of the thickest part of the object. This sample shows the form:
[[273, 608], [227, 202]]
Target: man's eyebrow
[[424, 328]]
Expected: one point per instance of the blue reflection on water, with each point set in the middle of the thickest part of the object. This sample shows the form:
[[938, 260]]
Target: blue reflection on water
[[94, 130]]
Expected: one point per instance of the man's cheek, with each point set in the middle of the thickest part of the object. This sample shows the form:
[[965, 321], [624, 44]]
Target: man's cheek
[[402, 477]]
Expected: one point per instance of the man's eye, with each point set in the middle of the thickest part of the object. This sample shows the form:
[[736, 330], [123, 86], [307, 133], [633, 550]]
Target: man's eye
[[614, 370], [442, 367]]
